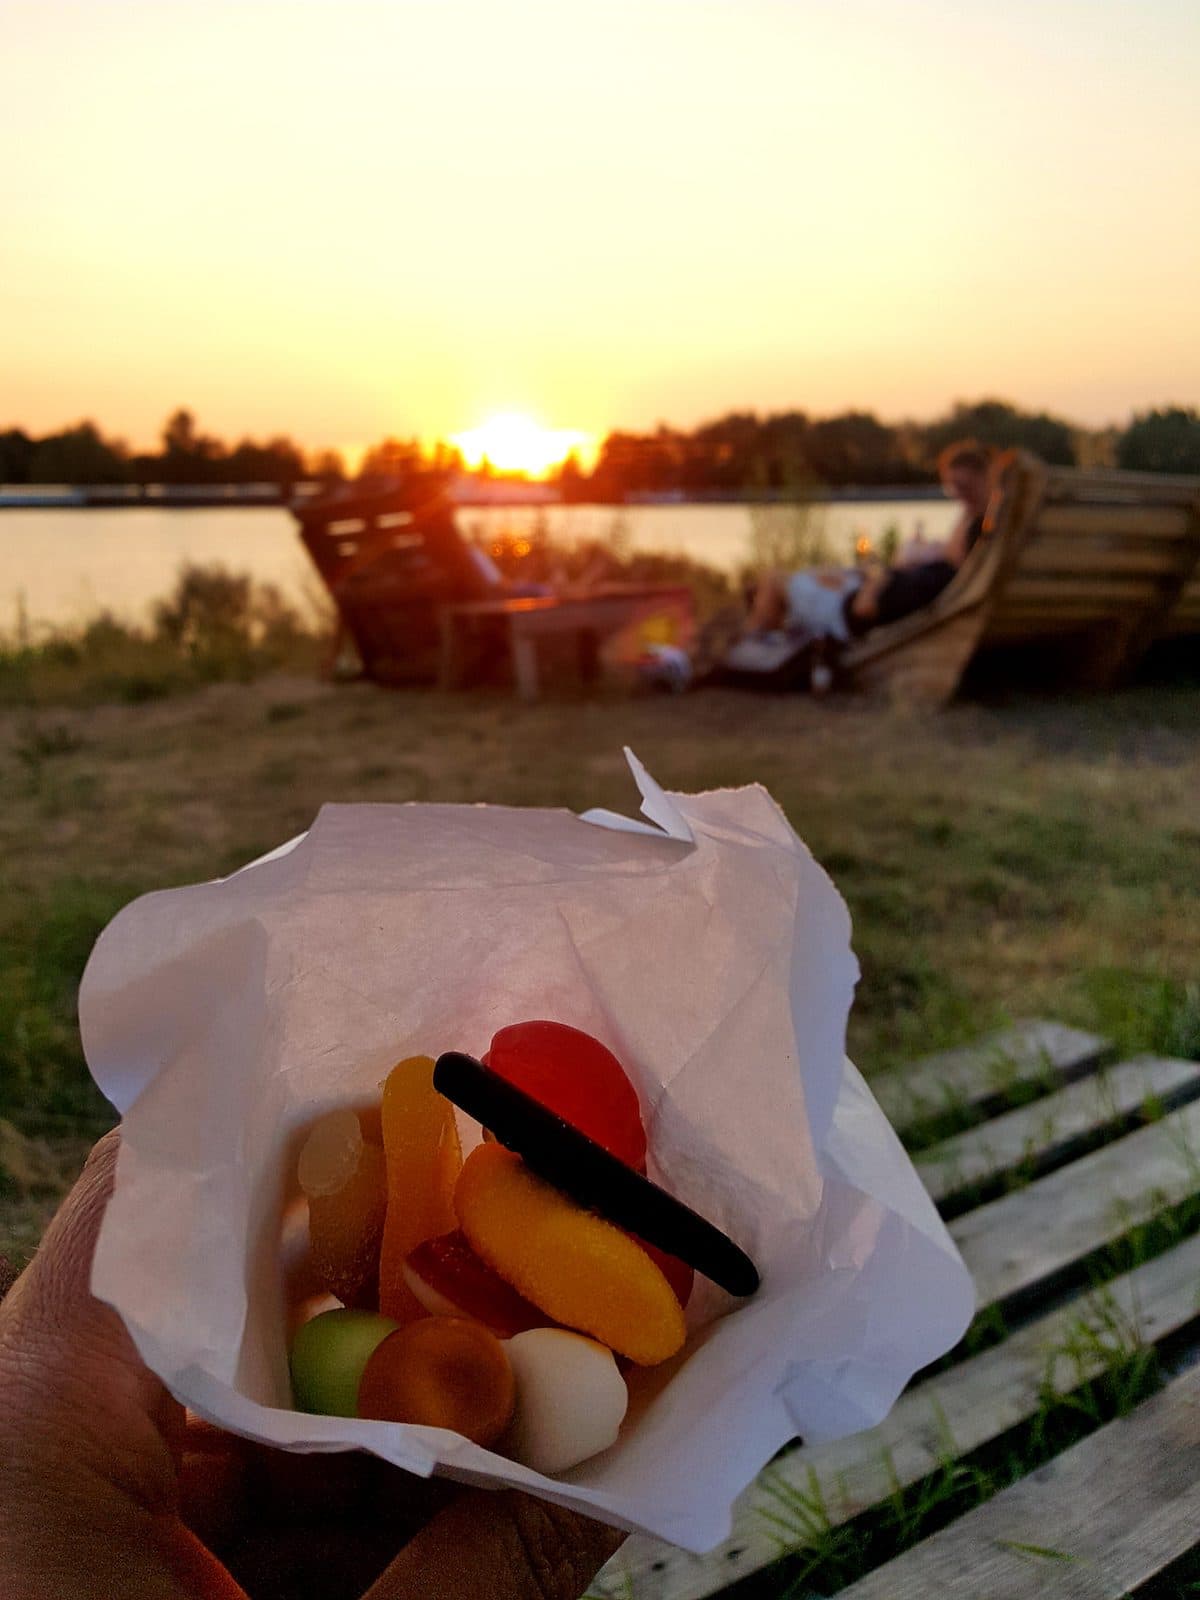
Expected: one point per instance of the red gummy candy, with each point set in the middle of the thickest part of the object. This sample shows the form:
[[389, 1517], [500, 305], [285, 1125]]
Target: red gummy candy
[[449, 1279], [577, 1078]]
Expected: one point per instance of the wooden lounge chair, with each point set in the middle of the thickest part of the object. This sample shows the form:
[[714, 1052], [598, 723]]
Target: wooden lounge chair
[[1092, 566], [1070, 1153], [391, 558]]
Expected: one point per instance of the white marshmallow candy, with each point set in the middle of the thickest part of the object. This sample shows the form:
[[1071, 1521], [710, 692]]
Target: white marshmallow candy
[[571, 1400]]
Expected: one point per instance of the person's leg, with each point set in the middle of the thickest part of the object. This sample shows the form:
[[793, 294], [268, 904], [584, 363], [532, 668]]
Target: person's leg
[[821, 667]]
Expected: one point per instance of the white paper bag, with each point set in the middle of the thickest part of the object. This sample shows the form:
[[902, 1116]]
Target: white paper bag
[[705, 947]]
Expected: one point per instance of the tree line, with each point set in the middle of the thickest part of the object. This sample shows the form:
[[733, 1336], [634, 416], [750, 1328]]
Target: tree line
[[784, 453]]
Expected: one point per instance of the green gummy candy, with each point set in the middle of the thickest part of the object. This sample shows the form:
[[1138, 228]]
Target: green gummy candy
[[328, 1357]]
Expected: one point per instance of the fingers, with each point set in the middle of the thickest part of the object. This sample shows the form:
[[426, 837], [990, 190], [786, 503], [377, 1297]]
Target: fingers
[[213, 1476], [322, 1528], [73, 1384], [319, 1563], [87, 1480], [319, 1527], [505, 1546], [60, 1273], [85, 1422]]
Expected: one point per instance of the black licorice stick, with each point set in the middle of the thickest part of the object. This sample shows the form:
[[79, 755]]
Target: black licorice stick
[[589, 1174]]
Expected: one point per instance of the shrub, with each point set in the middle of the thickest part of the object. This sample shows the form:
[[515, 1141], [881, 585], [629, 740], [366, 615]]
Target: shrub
[[215, 626]]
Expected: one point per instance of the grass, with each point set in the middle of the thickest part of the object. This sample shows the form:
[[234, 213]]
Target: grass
[[1035, 858], [820, 1555], [1000, 860]]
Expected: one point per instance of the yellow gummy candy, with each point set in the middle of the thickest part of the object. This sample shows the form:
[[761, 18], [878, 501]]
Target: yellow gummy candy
[[424, 1158], [579, 1269], [345, 1229], [343, 1176]]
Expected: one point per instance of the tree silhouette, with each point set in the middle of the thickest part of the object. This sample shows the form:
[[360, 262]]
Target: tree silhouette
[[278, 461], [392, 458], [569, 478], [998, 423], [787, 454], [78, 455], [327, 466], [17, 451], [1162, 441], [188, 456]]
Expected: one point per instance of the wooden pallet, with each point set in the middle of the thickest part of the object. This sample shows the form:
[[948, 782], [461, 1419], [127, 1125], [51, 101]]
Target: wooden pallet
[[1032, 1191]]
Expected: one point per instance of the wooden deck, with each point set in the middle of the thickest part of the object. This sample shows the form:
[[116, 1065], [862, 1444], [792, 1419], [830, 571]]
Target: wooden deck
[[1034, 1191]]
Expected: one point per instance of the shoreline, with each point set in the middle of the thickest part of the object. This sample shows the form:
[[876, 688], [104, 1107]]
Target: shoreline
[[264, 497]]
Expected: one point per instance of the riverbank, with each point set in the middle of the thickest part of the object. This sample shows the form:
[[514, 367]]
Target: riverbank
[[1034, 858]]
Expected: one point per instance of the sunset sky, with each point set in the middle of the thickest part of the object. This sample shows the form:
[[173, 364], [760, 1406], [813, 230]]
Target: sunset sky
[[341, 220]]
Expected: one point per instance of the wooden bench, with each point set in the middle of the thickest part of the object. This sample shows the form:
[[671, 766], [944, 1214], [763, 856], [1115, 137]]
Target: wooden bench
[[585, 619], [1092, 566], [1033, 1193]]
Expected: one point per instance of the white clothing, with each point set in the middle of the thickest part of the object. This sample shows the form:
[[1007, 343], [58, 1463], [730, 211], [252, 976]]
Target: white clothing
[[819, 608]]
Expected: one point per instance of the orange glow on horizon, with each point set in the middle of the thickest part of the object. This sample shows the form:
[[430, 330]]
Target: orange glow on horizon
[[511, 442], [474, 207]]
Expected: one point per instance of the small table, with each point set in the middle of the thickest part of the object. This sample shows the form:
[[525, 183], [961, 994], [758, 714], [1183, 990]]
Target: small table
[[589, 618]]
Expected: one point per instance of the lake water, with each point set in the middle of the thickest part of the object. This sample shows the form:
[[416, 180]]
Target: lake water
[[59, 568]]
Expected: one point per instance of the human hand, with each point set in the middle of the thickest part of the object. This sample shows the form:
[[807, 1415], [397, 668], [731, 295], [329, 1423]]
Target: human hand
[[108, 1487]]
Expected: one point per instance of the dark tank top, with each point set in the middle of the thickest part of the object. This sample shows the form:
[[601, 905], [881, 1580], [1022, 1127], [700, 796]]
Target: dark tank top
[[908, 589]]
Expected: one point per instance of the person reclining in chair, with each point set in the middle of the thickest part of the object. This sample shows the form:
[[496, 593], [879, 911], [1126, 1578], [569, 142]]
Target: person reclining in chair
[[841, 604]]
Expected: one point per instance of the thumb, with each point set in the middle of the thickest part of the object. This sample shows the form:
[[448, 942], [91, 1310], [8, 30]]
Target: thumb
[[499, 1546]]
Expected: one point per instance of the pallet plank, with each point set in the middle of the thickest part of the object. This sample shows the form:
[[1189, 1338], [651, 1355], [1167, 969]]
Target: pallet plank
[[1085, 555], [1030, 1052], [1017, 1242], [1093, 588], [956, 1412], [1081, 521], [1069, 487], [1037, 1132], [1101, 1519]]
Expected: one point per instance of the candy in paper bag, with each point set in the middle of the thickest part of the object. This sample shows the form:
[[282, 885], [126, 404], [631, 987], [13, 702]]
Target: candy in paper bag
[[703, 946]]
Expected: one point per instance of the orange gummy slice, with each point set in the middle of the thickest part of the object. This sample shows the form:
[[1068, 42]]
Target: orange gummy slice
[[424, 1158], [444, 1372], [580, 1270]]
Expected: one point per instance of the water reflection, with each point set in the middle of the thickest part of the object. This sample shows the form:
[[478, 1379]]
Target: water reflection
[[58, 568]]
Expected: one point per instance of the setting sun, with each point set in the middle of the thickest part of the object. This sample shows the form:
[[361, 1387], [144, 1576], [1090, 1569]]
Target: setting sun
[[514, 443]]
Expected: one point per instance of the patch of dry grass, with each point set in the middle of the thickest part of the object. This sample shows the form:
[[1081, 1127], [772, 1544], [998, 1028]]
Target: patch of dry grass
[[1035, 858]]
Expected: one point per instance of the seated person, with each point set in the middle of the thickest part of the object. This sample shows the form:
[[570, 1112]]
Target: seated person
[[839, 604]]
